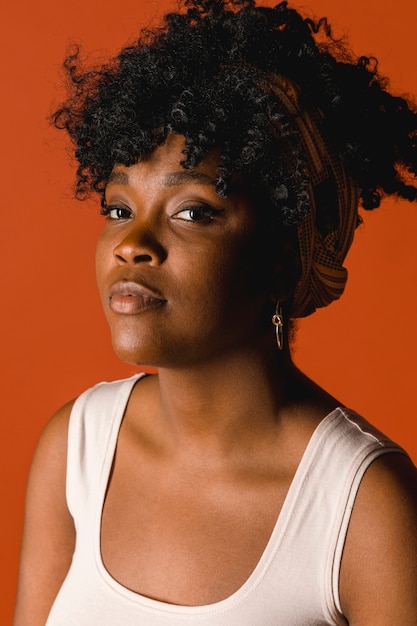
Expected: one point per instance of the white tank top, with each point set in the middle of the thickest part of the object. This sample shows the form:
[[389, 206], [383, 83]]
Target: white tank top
[[295, 582]]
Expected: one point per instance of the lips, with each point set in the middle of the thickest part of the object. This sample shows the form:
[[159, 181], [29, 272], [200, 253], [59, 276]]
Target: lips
[[130, 298]]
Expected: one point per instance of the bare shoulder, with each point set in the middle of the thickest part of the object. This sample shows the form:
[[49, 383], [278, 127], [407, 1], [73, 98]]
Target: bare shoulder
[[49, 535], [53, 439], [378, 583], [48, 470]]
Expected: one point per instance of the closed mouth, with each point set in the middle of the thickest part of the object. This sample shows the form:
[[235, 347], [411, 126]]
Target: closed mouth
[[129, 297]]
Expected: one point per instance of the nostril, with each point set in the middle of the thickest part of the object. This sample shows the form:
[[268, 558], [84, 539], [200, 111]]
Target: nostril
[[133, 258]]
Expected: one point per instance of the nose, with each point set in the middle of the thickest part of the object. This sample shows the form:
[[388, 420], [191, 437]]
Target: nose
[[140, 244]]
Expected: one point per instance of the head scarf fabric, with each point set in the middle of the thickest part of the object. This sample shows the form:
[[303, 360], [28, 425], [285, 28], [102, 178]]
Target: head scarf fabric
[[326, 233]]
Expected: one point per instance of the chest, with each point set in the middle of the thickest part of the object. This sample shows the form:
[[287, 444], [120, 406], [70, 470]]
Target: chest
[[184, 535]]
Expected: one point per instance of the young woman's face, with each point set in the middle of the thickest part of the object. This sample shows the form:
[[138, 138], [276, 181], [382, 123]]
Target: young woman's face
[[183, 274]]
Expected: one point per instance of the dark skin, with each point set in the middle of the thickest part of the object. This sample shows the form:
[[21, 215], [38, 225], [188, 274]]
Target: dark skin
[[218, 434], [196, 257]]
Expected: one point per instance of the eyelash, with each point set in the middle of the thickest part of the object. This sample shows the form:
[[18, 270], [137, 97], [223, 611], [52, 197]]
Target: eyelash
[[207, 213], [107, 210]]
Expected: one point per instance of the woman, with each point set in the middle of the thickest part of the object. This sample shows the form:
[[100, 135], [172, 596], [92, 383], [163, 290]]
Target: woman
[[230, 149]]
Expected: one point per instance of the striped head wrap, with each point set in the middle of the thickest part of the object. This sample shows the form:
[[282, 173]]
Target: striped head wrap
[[325, 234]]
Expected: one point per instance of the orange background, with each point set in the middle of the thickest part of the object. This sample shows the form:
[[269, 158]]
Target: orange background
[[53, 336]]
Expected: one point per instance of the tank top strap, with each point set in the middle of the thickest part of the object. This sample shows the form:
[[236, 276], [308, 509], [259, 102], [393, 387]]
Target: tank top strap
[[92, 436], [316, 513]]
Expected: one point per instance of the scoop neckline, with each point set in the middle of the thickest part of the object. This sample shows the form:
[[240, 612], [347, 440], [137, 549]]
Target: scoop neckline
[[271, 547]]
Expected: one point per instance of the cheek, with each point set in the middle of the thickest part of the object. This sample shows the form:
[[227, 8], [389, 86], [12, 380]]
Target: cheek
[[248, 269], [102, 261], [223, 281]]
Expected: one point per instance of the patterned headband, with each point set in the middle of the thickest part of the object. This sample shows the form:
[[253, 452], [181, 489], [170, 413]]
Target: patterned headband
[[326, 233]]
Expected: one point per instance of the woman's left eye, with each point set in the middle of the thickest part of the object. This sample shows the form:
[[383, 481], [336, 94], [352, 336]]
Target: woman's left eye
[[197, 213]]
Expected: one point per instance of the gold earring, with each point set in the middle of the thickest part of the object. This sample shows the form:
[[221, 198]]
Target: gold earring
[[278, 322]]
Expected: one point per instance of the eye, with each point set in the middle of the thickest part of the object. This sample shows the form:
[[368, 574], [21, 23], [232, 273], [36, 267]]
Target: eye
[[197, 213], [113, 212]]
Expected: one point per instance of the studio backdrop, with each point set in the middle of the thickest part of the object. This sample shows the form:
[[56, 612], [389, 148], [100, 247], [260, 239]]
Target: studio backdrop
[[54, 339]]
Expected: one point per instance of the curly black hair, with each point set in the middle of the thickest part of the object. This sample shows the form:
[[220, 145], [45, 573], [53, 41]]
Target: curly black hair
[[200, 75]]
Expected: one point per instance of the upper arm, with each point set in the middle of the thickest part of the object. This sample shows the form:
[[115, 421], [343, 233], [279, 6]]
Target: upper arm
[[378, 581], [48, 535]]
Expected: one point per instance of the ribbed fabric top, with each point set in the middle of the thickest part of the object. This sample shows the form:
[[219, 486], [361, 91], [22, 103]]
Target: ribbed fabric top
[[295, 582]]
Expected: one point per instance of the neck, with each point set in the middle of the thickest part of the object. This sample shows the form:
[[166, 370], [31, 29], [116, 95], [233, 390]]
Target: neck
[[228, 399]]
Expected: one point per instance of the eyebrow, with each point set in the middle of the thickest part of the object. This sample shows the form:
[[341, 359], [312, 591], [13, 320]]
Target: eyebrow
[[118, 178], [172, 179], [177, 178]]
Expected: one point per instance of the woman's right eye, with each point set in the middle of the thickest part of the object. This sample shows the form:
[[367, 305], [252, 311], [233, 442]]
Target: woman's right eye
[[113, 212]]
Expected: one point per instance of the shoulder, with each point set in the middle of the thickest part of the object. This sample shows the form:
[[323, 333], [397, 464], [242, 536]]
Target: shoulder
[[102, 398], [48, 466], [106, 397], [49, 534], [50, 458], [96, 416], [53, 440], [379, 565], [47, 475]]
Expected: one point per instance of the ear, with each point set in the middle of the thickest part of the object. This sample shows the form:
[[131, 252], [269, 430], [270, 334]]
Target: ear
[[280, 288], [287, 269]]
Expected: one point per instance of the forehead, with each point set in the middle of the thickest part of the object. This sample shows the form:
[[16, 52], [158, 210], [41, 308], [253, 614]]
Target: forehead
[[165, 161], [163, 167]]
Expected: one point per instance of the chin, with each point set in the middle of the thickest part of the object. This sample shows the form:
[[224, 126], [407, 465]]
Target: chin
[[136, 349]]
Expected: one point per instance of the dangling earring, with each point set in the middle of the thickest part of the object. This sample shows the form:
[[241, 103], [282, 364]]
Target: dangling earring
[[278, 322]]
